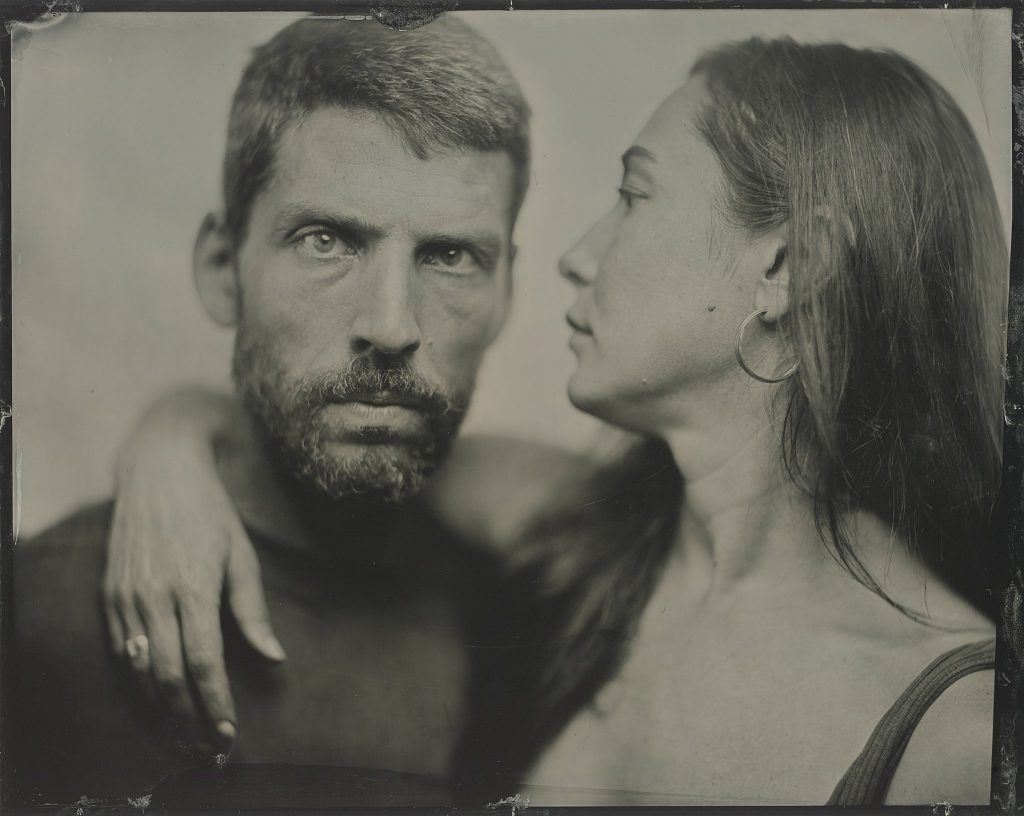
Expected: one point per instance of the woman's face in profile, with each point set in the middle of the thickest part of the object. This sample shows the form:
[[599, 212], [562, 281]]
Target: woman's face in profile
[[659, 289]]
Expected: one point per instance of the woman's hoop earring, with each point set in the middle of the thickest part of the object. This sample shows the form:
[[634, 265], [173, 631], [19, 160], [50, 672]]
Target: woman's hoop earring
[[749, 371]]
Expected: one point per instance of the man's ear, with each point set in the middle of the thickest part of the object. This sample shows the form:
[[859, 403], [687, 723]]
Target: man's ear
[[772, 290], [216, 276]]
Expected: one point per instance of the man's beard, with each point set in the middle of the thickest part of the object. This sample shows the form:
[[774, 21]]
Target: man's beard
[[381, 463]]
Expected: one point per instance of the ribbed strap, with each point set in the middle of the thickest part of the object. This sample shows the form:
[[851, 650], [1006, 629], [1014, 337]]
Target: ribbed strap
[[866, 782]]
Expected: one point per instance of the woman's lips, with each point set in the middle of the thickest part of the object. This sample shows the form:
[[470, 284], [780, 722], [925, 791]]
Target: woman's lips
[[577, 324], [581, 333]]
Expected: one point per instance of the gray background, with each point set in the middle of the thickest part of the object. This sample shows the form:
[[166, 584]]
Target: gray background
[[118, 129]]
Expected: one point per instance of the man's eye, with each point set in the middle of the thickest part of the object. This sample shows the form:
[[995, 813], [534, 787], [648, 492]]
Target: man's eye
[[323, 244], [450, 259]]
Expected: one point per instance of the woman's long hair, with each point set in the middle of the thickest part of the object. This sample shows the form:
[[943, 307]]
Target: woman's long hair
[[899, 283], [898, 295]]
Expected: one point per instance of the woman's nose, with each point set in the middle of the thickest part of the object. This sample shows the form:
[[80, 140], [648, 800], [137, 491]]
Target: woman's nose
[[580, 264]]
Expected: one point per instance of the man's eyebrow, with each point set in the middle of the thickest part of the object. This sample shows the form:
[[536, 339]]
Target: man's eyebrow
[[296, 214]]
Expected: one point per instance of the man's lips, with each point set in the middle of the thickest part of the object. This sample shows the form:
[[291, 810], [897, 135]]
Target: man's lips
[[380, 399], [349, 418]]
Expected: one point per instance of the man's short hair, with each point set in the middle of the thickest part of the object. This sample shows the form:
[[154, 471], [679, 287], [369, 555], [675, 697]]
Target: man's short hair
[[442, 86]]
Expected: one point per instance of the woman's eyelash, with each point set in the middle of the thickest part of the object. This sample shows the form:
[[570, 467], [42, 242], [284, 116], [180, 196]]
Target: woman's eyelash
[[629, 196]]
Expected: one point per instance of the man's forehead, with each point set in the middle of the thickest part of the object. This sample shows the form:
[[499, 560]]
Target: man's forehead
[[347, 157]]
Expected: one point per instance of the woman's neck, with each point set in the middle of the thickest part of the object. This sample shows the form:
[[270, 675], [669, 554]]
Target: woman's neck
[[742, 518], [746, 529]]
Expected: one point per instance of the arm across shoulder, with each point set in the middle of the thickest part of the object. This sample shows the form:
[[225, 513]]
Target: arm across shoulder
[[491, 487]]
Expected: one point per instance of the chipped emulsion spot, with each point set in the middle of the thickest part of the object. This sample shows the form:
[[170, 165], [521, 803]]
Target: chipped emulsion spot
[[1018, 102], [54, 11], [86, 806], [1018, 107], [411, 15], [21, 31], [514, 803]]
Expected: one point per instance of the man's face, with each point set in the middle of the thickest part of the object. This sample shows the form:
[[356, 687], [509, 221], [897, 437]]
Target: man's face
[[371, 282]]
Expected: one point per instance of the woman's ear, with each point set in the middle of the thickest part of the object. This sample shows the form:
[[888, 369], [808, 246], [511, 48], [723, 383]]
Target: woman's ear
[[216, 276], [772, 290]]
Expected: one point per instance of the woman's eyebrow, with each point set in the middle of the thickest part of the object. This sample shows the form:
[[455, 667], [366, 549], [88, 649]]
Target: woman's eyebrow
[[630, 160]]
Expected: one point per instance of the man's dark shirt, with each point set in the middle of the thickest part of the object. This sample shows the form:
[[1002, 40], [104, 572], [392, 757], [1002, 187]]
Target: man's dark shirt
[[371, 702]]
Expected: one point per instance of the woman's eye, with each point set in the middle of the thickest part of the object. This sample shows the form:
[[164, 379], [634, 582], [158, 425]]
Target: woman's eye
[[323, 244], [628, 198]]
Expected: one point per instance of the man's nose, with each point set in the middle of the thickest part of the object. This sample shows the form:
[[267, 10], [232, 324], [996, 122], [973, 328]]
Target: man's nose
[[580, 264], [386, 319]]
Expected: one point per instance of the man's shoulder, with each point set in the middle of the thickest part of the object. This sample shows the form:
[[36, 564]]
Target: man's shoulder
[[57, 578], [80, 535], [78, 725]]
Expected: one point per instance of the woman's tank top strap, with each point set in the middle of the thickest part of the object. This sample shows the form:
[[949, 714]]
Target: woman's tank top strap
[[867, 780]]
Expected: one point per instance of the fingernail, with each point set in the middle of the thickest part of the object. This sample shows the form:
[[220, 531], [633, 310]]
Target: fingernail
[[226, 729], [274, 650]]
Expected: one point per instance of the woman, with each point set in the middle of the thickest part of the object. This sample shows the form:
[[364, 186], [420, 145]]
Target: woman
[[796, 304]]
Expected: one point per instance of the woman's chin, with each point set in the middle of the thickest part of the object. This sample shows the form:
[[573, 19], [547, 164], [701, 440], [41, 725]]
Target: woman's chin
[[590, 398], [625, 410], [581, 395]]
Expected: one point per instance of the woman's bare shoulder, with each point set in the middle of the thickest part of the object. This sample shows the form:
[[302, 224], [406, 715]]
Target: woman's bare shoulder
[[490, 487], [949, 756]]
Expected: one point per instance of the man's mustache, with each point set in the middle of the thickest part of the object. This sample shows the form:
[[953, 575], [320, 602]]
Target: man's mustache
[[377, 380]]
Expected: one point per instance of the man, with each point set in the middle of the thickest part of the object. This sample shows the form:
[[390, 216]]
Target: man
[[372, 181]]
